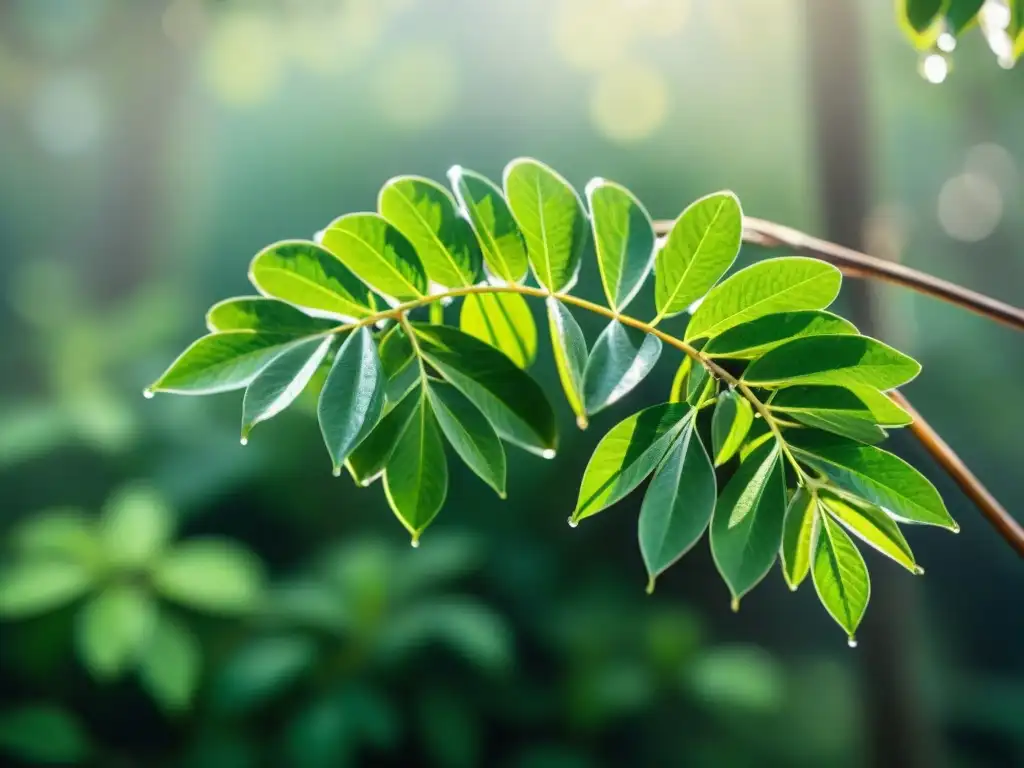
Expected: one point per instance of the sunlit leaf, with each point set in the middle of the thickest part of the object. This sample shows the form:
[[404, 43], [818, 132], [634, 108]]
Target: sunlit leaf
[[470, 434], [569, 348], [135, 526], [701, 246], [874, 474], [504, 321], [378, 253], [854, 427], [113, 628], [212, 575], [503, 246], [630, 452], [416, 477], [552, 219], [840, 576], [798, 531], [921, 20], [729, 425], [885, 412], [308, 275], [753, 339], [395, 351], [258, 313], [43, 735], [873, 526], [834, 409], [282, 380], [681, 380], [425, 213], [367, 461], [620, 359], [510, 399], [352, 398], [678, 504], [623, 240], [833, 360], [784, 284], [170, 664], [31, 587], [746, 528]]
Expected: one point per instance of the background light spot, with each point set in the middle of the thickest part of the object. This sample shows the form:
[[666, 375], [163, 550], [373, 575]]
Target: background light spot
[[243, 61], [66, 114], [629, 103], [416, 87], [970, 207]]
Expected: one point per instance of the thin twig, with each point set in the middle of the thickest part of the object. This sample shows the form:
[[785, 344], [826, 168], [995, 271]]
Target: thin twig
[[857, 264], [994, 512]]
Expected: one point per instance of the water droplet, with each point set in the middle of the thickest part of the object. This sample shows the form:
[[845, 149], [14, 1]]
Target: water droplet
[[148, 394], [547, 453], [581, 422], [851, 641], [934, 68], [955, 528], [650, 586], [573, 523], [244, 441], [735, 605], [918, 570], [318, 236], [415, 543], [946, 42], [336, 471]]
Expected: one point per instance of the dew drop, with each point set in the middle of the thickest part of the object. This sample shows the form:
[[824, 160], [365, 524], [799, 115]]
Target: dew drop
[[415, 543], [581, 422], [148, 394], [955, 528], [851, 641], [548, 453], [946, 42], [244, 441], [934, 68], [336, 471], [918, 570], [735, 605], [573, 523]]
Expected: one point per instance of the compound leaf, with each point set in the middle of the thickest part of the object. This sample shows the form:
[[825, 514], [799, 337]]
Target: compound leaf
[[425, 213], [352, 398], [701, 246], [308, 275], [504, 249], [630, 451], [552, 219], [623, 239], [621, 358], [504, 321], [840, 576], [753, 339], [784, 284], [378, 253], [678, 504]]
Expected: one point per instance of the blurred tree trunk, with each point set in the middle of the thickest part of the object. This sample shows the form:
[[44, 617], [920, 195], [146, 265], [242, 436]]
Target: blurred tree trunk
[[898, 731]]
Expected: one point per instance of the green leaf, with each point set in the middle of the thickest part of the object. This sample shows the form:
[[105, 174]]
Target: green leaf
[[221, 362], [681, 380], [570, 352], [170, 664], [874, 474], [112, 629], [700, 248], [623, 239], [425, 213], [43, 735], [872, 526], [512, 401], [746, 529], [753, 339], [700, 386], [416, 477], [730, 424], [840, 576], [834, 409], [921, 20], [856, 428], [883, 409], [503, 246], [621, 358], [308, 275], [260, 670], [784, 284], [504, 321], [961, 14], [258, 313], [378, 253], [678, 504], [61, 533], [32, 587], [630, 451], [367, 462], [395, 351], [135, 527], [470, 434], [283, 380], [798, 531], [834, 360], [353, 396], [552, 219], [214, 575]]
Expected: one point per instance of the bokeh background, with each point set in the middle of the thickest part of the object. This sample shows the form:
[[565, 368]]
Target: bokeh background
[[149, 149]]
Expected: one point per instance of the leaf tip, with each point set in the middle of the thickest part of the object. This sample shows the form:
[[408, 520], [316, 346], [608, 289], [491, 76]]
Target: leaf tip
[[918, 570], [573, 522], [593, 184], [955, 527], [650, 585], [415, 543], [548, 453], [336, 471], [243, 440], [851, 641], [735, 605], [582, 422], [148, 393]]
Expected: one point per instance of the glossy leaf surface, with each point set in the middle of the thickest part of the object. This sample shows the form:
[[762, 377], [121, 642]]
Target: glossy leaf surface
[[569, 348], [282, 380], [469, 433], [504, 249], [729, 425], [378, 253], [840, 576], [621, 358], [753, 339], [623, 239], [504, 321], [798, 531], [416, 478]]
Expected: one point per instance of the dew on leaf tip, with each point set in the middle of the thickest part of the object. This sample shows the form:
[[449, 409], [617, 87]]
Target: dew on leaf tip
[[735, 605], [573, 523], [851, 641], [148, 394], [918, 570], [415, 543], [548, 453], [244, 441], [336, 471]]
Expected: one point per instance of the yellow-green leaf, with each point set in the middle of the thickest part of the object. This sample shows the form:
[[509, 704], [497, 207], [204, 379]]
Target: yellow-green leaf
[[504, 321]]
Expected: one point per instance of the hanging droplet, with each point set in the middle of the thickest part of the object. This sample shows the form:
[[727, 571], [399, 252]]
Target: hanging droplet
[[573, 523], [955, 528], [735, 605], [336, 471], [918, 570], [415, 543], [548, 453], [244, 441], [946, 42], [581, 422], [934, 68], [148, 394], [851, 641]]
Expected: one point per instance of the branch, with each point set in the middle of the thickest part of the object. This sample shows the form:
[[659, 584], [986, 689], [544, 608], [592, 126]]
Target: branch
[[857, 264], [1005, 525]]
